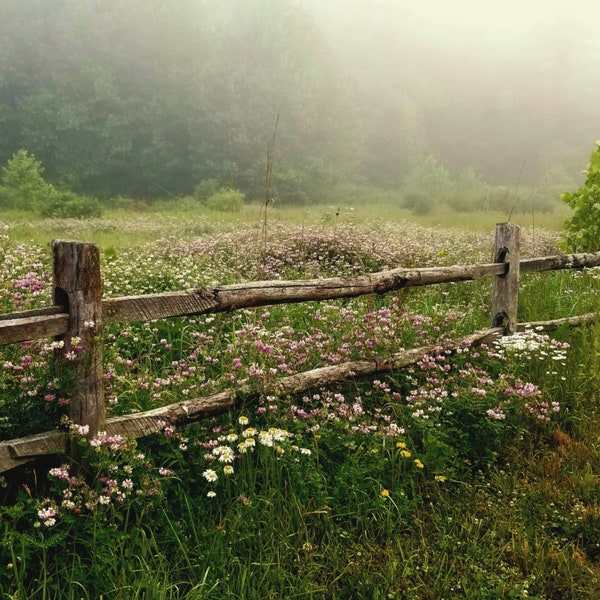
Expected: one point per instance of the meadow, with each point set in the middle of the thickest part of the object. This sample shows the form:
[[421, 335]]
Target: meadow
[[469, 475]]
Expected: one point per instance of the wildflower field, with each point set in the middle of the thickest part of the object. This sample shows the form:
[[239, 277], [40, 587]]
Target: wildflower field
[[473, 474]]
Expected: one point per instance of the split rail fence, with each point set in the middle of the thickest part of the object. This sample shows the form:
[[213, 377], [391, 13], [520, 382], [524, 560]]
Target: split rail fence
[[79, 311]]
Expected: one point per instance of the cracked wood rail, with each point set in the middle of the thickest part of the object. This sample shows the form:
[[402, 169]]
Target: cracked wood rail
[[52, 321]]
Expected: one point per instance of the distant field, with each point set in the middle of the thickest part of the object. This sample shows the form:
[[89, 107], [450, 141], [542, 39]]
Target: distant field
[[123, 228]]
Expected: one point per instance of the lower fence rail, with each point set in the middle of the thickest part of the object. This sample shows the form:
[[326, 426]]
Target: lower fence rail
[[14, 453]]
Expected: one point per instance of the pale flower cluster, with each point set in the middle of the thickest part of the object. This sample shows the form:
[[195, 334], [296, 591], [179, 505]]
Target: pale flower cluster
[[249, 439]]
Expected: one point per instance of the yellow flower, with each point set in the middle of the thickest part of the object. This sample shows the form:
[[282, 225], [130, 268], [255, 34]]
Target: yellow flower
[[419, 464], [400, 445], [440, 478], [405, 454], [385, 493]]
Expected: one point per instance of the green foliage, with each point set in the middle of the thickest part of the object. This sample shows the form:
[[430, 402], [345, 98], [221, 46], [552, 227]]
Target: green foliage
[[23, 186], [226, 200], [429, 178], [431, 184], [205, 189], [583, 227], [65, 205], [418, 204], [110, 113]]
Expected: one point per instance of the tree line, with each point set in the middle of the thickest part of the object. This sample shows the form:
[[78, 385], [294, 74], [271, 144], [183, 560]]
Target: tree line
[[148, 99]]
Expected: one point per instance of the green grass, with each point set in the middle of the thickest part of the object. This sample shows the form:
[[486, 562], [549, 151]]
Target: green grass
[[125, 227], [360, 499]]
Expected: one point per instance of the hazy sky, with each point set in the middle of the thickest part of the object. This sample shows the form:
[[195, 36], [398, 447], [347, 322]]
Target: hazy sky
[[506, 17], [523, 74]]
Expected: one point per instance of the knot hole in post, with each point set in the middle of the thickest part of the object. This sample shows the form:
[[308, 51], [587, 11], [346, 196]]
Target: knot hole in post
[[500, 320], [503, 256], [61, 298]]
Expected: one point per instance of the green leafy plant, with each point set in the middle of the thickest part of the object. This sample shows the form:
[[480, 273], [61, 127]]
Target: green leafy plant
[[583, 227], [205, 189], [23, 186], [70, 205], [226, 200]]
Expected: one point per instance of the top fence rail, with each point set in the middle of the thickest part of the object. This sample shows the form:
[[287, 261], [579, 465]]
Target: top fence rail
[[54, 321]]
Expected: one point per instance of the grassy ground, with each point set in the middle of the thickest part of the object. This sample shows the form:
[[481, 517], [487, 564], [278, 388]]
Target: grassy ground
[[123, 228], [469, 476]]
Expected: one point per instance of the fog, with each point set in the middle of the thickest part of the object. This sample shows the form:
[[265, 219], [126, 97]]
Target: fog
[[406, 97], [512, 87]]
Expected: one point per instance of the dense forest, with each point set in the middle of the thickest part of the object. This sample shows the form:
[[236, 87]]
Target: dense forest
[[147, 99]]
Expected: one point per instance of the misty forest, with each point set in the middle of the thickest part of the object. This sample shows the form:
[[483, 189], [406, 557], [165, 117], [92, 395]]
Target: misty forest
[[299, 300], [148, 100]]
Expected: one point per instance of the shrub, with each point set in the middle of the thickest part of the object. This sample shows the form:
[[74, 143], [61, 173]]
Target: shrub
[[583, 227], [65, 205], [205, 189], [226, 200], [419, 204]]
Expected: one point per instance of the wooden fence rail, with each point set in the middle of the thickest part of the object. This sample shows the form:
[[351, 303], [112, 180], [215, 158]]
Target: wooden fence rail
[[79, 311]]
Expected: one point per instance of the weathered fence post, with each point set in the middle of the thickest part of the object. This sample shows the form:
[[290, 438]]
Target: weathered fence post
[[76, 271], [505, 289]]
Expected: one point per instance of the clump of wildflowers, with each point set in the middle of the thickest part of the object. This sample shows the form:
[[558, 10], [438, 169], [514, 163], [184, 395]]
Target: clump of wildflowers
[[116, 474], [223, 460]]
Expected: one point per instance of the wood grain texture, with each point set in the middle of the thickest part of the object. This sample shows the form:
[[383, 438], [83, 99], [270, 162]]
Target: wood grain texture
[[32, 328], [15, 327], [80, 311], [505, 287], [17, 452], [35, 312], [77, 283]]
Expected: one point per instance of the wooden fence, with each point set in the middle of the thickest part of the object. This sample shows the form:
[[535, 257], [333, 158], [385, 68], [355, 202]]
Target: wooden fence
[[79, 311]]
